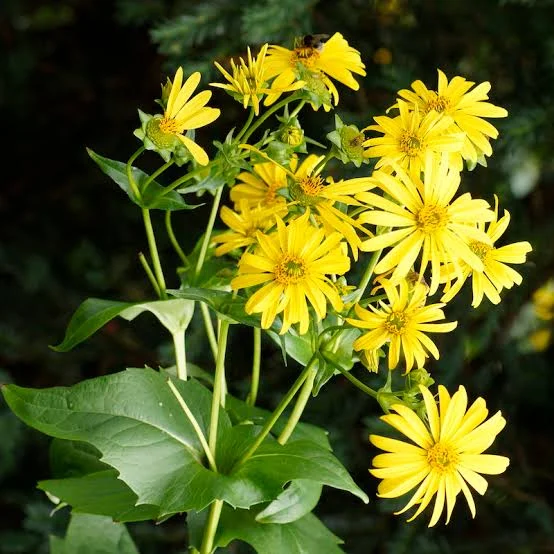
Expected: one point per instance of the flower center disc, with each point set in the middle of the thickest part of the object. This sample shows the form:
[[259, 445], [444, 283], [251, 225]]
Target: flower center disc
[[410, 144], [305, 55], [431, 218], [442, 457], [396, 323], [480, 249], [290, 270], [439, 104]]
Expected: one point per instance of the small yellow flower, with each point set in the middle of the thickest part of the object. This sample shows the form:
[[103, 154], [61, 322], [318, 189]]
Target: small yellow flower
[[495, 274], [543, 301], [248, 82], [292, 264], [334, 58], [402, 323], [422, 217], [409, 137], [540, 339], [244, 225], [260, 187], [446, 456], [466, 108], [183, 113]]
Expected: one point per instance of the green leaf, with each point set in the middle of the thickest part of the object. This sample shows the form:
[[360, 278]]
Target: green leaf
[[100, 493], [74, 459], [298, 347], [297, 500], [241, 413], [93, 534], [303, 536], [94, 313], [152, 197]]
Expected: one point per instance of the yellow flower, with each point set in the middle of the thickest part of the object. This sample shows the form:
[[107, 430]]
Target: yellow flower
[[183, 113], [310, 190], [409, 137], [425, 219], [334, 58], [495, 274], [447, 454], [248, 83], [403, 323], [261, 186], [243, 225], [540, 339], [467, 109], [543, 301], [292, 265]]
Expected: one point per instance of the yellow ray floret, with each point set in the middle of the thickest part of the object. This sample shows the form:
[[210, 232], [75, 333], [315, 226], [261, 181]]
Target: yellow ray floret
[[445, 455]]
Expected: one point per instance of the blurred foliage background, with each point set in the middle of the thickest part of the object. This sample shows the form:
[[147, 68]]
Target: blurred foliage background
[[72, 75]]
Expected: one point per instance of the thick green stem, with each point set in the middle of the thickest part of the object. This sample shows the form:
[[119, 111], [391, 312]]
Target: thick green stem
[[156, 173], [209, 228], [174, 241], [285, 401], [188, 177], [319, 167], [246, 125], [211, 527], [356, 382], [149, 273], [195, 425], [368, 273], [132, 183], [267, 114], [158, 272], [180, 354], [298, 410], [256, 357], [209, 329], [296, 110], [219, 381]]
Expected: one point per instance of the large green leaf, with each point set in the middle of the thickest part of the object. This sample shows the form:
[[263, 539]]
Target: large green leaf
[[100, 493], [93, 534], [306, 535], [152, 197], [174, 314]]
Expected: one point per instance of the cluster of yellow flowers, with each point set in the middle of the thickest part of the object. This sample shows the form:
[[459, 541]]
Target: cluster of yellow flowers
[[294, 232]]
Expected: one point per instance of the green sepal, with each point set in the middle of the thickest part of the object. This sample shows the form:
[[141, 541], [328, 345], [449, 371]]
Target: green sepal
[[93, 534], [153, 197], [94, 313]]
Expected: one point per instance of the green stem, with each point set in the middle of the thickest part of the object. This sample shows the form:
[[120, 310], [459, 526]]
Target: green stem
[[180, 354], [195, 425], [211, 527], [219, 380], [285, 401], [298, 410], [149, 273], [209, 228], [158, 272], [267, 114], [209, 328], [356, 382], [188, 177], [366, 277], [156, 173], [132, 183], [319, 167], [296, 110], [256, 357], [246, 125], [174, 241]]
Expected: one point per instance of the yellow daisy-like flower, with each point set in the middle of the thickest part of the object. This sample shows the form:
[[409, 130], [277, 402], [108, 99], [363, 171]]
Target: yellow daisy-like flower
[[467, 109], [495, 274], [409, 137], [292, 264], [310, 190], [260, 187], [447, 454], [248, 82], [540, 339], [244, 225], [425, 219], [334, 58], [183, 113], [543, 301], [402, 323]]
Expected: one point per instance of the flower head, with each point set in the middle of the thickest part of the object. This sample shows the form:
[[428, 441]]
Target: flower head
[[543, 301], [408, 137], [315, 61], [402, 323], [424, 218], [466, 108], [182, 113], [495, 274], [447, 454], [292, 264]]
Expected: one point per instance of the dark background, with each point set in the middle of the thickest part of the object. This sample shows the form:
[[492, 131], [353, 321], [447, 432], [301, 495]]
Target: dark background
[[72, 75]]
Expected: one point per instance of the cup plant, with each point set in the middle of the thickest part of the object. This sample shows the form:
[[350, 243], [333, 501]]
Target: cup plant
[[154, 443]]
